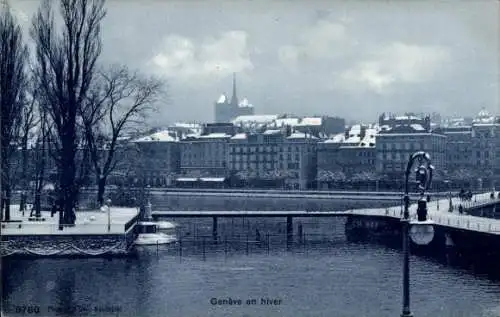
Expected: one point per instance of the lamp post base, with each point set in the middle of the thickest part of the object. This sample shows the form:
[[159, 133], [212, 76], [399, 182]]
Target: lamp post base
[[406, 315]]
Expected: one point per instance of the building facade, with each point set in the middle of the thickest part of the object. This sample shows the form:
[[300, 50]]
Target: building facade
[[458, 149], [347, 155], [486, 145], [158, 160], [300, 160], [275, 154], [204, 155], [400, 137], [256, 155], [321, 126]]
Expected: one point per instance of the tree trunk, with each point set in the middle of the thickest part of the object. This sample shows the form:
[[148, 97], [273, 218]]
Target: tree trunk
[[24, 176], [5, 186], [22, 204], [6, 201], [67, 181], [38, 205], [101, 187]]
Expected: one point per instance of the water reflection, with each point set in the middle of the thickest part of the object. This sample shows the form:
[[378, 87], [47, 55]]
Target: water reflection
[[64, 292], [329, 276]]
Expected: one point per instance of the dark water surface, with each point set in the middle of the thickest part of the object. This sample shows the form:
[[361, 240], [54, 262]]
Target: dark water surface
[[328, 277]]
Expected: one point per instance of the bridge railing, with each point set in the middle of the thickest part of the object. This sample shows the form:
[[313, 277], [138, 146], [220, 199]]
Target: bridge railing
[[467, 223], [477, 201], [453, 220]]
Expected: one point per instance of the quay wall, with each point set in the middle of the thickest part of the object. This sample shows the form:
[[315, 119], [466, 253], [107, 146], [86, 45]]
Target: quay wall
[[68, 245], [490, 211], [468, 248], [224, 202]]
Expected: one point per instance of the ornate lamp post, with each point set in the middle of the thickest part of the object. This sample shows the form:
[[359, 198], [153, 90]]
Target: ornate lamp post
[[420, 231]]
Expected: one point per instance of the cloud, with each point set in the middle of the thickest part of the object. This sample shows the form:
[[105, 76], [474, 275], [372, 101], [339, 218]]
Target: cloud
[[324, 40], [183, 59], [394, 64]]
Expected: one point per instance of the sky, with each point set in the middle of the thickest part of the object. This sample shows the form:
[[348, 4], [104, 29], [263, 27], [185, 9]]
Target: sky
[[353, 59]]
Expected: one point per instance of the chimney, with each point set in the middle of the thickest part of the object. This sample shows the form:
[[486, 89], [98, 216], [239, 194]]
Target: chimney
[[381, 119], [427, 123], [362, 133]]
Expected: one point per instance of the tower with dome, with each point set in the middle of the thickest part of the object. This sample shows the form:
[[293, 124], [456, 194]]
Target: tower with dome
[[225, 109]]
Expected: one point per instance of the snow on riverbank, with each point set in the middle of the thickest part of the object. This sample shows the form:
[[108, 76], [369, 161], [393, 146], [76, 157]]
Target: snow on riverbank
[[87, 222]]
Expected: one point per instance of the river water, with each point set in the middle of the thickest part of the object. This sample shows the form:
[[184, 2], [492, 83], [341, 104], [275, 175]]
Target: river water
[[325, 276]]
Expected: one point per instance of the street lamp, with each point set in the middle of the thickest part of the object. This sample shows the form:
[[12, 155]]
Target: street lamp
[[108, 203], [420, 231], [450, 203]]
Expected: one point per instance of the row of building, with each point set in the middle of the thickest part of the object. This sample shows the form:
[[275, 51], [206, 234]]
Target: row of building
[[303, 152]]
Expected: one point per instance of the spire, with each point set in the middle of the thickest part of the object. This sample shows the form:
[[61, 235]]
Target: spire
[[234, 98]]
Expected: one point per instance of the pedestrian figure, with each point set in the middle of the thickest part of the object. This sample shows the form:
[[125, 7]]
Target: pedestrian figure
[[460, 209], [461, 194], [23, 201]]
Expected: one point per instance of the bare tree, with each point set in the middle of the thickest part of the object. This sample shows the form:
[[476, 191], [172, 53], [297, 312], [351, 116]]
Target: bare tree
[[13, 56], [30, 119], [65, 67], [41, 155], [119, 100]]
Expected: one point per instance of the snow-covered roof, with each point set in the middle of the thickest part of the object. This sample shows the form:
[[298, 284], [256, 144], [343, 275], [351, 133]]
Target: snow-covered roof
[[271, 131], [187, 179], [369, 139], [187, 125], [484, 117], [215, 136], [212, 179], [264, 119], [239, 136], [244, 103], [338, 138], [455, 122], [311, 121], [286, 121], [222, 99], [417, 127], [407, 118], [354, 137], [161, 136], [301, 135]]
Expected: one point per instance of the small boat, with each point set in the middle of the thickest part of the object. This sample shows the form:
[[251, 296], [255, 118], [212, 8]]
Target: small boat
[[149, 235], [165, 225]]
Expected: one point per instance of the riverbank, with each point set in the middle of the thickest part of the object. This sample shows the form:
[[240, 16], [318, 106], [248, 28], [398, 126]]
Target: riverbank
[[92, 234]]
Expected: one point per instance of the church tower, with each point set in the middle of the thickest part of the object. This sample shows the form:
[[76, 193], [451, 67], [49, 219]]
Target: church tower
[[234, 98]]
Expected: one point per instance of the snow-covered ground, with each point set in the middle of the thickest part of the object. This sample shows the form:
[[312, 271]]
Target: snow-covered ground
[[87, 222]]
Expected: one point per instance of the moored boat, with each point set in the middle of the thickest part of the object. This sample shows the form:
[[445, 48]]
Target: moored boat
[[149, 235]]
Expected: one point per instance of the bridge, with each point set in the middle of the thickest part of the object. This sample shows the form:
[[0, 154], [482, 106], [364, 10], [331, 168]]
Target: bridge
[[387, 196], [438, 211]]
